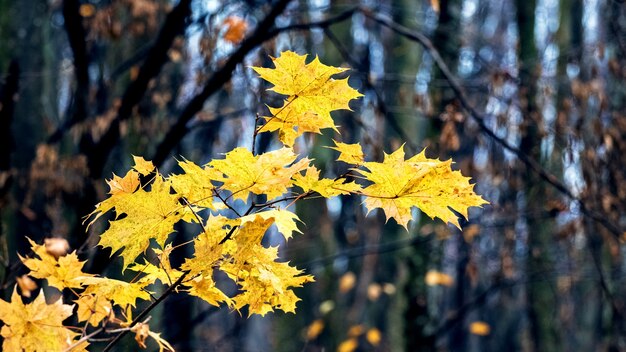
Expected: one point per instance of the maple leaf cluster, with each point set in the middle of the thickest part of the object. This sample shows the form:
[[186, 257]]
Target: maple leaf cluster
[[147, 205]]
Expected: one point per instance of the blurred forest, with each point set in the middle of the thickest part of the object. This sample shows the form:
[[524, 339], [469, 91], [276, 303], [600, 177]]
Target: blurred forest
[[527, 96]]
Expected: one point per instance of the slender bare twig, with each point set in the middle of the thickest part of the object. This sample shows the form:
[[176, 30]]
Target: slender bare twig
[[84, 338]]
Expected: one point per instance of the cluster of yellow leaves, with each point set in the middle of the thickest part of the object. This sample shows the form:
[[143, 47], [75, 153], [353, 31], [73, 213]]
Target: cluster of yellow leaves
[[37, 326], [146, 212], [147, 205]]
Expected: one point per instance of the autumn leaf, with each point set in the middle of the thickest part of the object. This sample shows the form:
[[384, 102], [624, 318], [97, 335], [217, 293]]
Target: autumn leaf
[[56, 246], [327, 188], [203, 286], [142, 166], [142, 332], [349, 153], [236, 28], [284, 220], [93, 309], [312, 94], [149, 215], [36, 326], [121, 293], [268, 173], [126, 184], [265, 283], [162, 272], [60, 273], [434, 278], [207, 248], [26, 285], [397, 185], [195, 184], [292, 120]]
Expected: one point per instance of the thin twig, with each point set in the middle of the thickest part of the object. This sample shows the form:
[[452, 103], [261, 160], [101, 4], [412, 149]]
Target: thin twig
[[148, 309], [84, 338]]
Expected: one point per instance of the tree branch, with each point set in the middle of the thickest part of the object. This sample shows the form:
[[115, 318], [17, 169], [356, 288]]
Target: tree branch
[[8, 97], [174, 25], [148, 309], [263, 33], [76, 34]]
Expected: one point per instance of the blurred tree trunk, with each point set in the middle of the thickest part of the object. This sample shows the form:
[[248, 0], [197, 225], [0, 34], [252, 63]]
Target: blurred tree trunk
[[30, 218], [541, 301], [447, 40], [408, 316]]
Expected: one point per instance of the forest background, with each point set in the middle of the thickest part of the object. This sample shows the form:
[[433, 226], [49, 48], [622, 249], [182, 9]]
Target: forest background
[[526, 96]]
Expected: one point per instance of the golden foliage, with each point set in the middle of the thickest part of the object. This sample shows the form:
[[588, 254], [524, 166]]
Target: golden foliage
[[312, 94], [147, 205], [397, 185], [36, 326]]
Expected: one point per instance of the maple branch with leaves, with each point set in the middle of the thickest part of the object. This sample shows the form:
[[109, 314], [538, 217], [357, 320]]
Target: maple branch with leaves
[[148, 205]]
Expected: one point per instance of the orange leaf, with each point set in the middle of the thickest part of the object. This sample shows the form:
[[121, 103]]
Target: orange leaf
[[236, 28], [480, 328], [434, 278]]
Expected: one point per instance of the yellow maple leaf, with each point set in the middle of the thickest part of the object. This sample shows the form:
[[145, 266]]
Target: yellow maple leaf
[[284, 220], [143, 166], [203, 286], [93, 309], [207, 247], [163, 271], [349, 153], [149, 215], [126, 184], [36, 326], [195, 184], [265, 283], [429, 184], [312, 95], [121, 293], [245, 173], [326, 187], [119, 189], [60, 273], [292, 120]]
